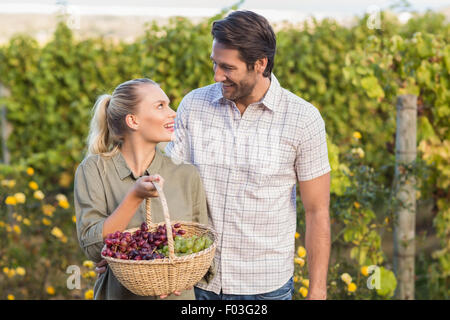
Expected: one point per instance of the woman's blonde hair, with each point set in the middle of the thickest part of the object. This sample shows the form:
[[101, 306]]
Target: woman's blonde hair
[[108, 127]]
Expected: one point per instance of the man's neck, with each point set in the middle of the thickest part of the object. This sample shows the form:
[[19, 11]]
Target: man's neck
[[258, 93]]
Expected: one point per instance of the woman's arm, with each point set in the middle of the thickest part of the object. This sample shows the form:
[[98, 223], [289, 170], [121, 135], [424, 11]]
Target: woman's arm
[[92, 219], [142, 189]]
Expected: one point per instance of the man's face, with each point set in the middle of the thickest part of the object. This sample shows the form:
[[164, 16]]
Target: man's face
[[237, 82]]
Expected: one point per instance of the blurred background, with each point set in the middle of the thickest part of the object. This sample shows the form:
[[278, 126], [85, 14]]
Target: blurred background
[[351, 59]]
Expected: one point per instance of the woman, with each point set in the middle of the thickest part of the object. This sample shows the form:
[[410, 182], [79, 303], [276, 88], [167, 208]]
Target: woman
[[116, 176]]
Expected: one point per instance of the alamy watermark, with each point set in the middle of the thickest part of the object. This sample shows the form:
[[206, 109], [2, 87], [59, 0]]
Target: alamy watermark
[[374, 19], [74, 278], [374, 281]]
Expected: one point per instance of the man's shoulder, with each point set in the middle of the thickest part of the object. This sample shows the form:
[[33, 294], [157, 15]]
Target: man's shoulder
[[297, 105]]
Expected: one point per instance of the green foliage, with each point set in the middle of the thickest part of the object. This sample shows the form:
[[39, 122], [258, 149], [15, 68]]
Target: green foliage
[[353, 75]]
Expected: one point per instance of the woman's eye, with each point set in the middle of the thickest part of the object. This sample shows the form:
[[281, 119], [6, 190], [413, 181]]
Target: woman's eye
[[160, 106]]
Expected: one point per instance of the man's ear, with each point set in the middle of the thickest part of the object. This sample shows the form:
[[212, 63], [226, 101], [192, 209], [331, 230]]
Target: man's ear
[[132, 121], [261, 64]]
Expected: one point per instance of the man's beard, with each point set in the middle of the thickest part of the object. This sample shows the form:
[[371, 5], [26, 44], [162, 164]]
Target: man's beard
[[238, 91]]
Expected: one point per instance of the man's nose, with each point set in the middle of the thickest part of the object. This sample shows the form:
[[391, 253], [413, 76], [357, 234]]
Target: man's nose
[[219, 75]]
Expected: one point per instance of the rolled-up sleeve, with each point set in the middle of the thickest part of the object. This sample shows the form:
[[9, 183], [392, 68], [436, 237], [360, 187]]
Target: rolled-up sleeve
[[90, 209], [312, 153]]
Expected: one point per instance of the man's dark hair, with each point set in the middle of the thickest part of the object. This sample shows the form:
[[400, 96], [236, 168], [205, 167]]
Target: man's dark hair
[[249, 33]]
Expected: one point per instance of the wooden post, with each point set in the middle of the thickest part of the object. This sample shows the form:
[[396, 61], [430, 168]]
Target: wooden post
[[6, 126], [404, 187]]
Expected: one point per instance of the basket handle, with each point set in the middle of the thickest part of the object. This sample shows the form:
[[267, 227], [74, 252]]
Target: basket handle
[[169, 234]]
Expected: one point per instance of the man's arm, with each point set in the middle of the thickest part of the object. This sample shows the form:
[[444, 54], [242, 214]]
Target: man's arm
[[315, 195]]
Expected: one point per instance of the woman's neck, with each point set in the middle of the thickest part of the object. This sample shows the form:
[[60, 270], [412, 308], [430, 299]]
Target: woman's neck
[[138, 155]]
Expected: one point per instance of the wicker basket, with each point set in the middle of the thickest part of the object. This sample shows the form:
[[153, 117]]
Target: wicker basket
[[163, 276]]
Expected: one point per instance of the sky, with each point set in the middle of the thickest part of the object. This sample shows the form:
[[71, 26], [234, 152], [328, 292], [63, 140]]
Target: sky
[[293, 10]]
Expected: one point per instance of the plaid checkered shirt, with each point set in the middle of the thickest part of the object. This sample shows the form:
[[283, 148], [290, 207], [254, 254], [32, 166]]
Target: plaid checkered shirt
[[250, 165]]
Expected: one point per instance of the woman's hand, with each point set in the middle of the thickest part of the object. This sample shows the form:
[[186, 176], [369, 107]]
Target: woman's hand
[[144, 187]]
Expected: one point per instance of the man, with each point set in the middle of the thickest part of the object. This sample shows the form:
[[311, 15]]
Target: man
[[251, 141]]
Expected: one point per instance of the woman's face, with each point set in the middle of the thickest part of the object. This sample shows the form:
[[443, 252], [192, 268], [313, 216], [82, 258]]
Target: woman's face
[[154, 117]]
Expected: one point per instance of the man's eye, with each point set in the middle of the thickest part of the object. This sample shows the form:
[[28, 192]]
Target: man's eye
[[160, 106]]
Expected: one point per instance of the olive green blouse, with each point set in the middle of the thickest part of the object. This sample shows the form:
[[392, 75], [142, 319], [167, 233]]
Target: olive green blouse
[[100, 186]]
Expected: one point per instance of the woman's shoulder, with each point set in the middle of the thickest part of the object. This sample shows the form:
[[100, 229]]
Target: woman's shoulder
[[94, 162]]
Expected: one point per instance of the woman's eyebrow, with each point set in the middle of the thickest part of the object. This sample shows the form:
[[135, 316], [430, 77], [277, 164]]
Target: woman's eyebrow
[[161, 101]]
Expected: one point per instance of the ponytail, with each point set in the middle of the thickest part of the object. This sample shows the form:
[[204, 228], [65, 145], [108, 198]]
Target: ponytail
[[99, 140]]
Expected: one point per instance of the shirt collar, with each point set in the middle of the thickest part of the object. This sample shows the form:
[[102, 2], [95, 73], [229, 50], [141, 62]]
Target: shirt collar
[[124, 171], [269, 100]]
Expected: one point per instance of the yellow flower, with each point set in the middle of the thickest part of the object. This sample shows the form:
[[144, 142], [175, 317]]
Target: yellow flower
[[18, 218], [50, 290], [48, 209], [11, 273], [88, 264], [5, 270], [359, 152], [30, 171], [346, 278], [2, 224], [33, 185], [74, 219], [386, 220], [46, 222], [356, 205], [365, 271], [299, 261], [357, 135], [61, 197], [38, 194], [301, 252], [63, 239], [89, 295], [65, 179], [64, 204], [20, 197], [26, 222], [297, 235], [305, 282], [296, 279], [11, 183], [11, 297], [351, 287], [57, 232], [16, 229], [11, 200], [303, 291], [20, 271]]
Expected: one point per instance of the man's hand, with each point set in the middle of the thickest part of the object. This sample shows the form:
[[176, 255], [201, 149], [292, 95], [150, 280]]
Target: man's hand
[[100, 267], [317, 295]]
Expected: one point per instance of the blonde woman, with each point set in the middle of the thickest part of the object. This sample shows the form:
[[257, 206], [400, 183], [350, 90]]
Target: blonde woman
[[116, 176]]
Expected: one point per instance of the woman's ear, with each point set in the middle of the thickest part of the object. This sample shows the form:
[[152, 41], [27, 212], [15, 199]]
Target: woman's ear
[[132, 121]]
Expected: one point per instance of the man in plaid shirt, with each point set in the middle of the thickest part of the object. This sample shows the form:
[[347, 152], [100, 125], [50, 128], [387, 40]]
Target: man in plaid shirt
[[251, 141]]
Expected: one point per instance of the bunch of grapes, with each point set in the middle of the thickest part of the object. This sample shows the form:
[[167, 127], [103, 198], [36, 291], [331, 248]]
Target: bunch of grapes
[[146, 245]]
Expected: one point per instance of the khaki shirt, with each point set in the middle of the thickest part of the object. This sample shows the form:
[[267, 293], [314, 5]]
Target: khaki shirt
[[100, 186]]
